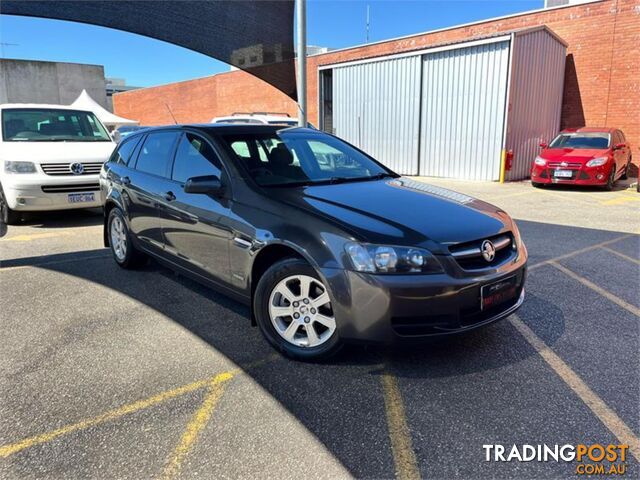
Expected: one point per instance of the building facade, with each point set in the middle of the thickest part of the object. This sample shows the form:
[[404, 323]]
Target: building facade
[[30, 81], [601, 71]]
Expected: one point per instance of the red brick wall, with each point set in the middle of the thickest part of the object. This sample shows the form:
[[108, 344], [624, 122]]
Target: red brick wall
[[602, 80]]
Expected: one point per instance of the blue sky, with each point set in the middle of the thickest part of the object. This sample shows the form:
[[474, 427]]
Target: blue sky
[[144, 61]]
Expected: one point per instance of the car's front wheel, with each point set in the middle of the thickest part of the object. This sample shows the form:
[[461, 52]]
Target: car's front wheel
[[294, 311], [8, 216], [124, 252], [611, 181]]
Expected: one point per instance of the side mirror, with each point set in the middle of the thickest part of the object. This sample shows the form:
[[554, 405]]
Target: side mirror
[[619, 146], [208, 185], [544, 144]]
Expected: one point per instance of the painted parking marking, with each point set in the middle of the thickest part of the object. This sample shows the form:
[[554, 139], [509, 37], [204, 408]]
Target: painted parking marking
[[35, 236], [622, 255], [195, 426], [620, 201], [53, 262], [600, 409], [608, 295], [404, 457], [10, 449], [114, 414], [578, 252]]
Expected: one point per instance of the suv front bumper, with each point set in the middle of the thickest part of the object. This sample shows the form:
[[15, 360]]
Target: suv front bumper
[[391, 309]]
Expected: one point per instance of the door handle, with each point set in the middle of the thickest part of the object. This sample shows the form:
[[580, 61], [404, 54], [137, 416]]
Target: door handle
[[169, 196], [125, 180]]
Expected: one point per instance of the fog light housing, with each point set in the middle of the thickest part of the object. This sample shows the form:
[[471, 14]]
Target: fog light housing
[[600, 176], [21, 201]]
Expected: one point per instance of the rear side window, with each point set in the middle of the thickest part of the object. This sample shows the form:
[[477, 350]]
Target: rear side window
[[195, 158], [123, 154], [156, 152]]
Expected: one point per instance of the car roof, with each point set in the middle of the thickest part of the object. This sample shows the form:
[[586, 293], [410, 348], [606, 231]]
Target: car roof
[[228, 128], [47, 106], [589, 130], [232, 128]]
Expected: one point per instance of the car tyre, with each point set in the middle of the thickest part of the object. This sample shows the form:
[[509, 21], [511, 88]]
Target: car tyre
[[611, 181], [285, 333], [537, 185], [625, 174], [8, 216], [124, 252]]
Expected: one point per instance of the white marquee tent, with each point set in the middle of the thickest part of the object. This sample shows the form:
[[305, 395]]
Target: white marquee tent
[[85, 102]]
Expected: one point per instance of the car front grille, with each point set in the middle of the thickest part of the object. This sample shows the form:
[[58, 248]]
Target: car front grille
[[469, 254], [71, 188], [566, 165], [89, 168]]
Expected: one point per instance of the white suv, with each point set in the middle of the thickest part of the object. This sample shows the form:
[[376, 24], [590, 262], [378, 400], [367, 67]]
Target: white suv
[[258, 118], [50, 159]]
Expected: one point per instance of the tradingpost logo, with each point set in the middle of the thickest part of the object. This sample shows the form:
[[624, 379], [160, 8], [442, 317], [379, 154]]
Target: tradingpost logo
[[595, 459]]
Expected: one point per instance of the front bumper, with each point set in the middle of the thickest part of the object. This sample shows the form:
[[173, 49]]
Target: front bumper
[[392, 309], [42, 193], [581, 175]]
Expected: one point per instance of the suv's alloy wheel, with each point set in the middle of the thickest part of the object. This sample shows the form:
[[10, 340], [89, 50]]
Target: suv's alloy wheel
[[124, 251], [294, 311], [300, 311]]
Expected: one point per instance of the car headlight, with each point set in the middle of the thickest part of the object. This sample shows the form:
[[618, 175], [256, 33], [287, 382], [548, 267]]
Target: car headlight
[[19, 167], [387, 259], [540, 161], [596, 162]]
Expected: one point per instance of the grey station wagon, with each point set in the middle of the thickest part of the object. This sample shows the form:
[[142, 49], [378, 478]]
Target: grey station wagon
[[326, 245]]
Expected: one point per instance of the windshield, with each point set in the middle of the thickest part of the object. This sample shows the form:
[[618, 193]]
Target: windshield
[[51, 125], [595, 140], [291, 159]]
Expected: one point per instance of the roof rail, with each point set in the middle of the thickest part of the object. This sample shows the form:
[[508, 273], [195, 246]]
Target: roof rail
[[261, 113]]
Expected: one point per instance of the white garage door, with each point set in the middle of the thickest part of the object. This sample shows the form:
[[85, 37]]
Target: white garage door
[[376, 106], [463, 103]]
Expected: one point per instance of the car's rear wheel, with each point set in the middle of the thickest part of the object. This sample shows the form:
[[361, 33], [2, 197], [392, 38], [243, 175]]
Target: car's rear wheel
[[625, 174], [124, 252], [8, 216], [294, 311]]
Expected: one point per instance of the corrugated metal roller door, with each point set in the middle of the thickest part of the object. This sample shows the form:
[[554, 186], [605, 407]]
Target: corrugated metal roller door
[[376, 106], [463, 103]]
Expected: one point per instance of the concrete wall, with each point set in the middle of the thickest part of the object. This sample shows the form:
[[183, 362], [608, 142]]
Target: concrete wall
[[28, 81]]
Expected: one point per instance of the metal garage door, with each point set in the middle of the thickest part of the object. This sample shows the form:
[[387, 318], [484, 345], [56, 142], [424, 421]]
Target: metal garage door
[[463, 104], [376, 106]]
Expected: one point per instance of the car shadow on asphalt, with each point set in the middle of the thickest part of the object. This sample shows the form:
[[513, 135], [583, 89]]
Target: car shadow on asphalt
[[62, 218]]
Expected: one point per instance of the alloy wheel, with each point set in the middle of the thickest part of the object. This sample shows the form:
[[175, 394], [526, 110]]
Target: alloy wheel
[[118, 238], [300, 311]]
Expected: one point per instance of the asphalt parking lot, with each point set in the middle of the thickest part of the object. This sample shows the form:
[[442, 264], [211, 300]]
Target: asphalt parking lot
[[113, 374]]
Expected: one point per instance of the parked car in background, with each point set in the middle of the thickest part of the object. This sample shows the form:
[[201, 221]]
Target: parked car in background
[[258, 118], [50, 159], [325, 252], [124, 131], [583, 156]]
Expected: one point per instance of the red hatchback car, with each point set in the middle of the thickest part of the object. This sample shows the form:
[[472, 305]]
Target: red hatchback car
[[583, 156]]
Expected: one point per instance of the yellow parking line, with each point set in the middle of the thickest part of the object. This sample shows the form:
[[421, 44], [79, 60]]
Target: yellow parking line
[[197, 423], [622, 255], [578, 252], [600, 409], [608, 295], [620, 201], [10, 449], [404, 457], [35, 236]]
